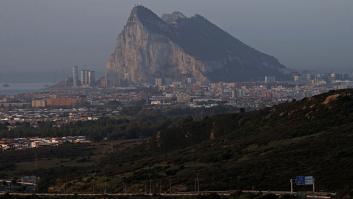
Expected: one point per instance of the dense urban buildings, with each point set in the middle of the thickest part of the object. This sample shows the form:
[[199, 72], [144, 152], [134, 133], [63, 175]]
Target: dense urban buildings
[[71, 104], [83, 78]]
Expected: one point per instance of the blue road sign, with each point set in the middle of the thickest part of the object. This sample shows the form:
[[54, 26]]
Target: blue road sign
[[300, 180], [304, 180]]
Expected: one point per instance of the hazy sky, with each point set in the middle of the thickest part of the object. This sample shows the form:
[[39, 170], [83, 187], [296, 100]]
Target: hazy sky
[[53, 35]]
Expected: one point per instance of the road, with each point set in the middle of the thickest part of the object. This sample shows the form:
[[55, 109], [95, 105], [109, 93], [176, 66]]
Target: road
[[319, 195]]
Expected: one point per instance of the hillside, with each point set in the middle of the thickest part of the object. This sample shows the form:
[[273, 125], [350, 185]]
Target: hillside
[[255, 150], [260, 150]]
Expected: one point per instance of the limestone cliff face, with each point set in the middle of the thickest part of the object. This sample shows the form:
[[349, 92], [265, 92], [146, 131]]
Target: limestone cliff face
[[175, 47], [144, 52]]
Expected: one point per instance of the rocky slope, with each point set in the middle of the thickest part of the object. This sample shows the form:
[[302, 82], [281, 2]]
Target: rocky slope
[[175, 47]]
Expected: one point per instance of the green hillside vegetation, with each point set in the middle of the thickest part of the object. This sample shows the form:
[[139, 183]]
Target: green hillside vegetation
[[133, 122], [258, 150]]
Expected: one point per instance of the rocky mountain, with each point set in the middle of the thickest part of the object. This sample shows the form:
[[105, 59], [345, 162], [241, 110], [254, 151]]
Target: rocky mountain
[[174, 47]]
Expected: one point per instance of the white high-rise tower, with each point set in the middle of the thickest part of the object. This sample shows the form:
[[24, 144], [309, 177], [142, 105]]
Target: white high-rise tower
[[75, 79]]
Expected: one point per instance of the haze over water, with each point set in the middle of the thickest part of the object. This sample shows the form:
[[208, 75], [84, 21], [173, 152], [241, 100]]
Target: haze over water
[[17, 88]]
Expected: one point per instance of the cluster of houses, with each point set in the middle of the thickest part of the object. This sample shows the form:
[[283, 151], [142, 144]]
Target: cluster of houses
[[27, 143], [57, 116], [24, 184]]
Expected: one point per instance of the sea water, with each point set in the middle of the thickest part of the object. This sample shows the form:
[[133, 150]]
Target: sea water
[[18, 88]]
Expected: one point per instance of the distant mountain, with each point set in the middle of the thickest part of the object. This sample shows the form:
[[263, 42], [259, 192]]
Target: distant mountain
[[174, 47]]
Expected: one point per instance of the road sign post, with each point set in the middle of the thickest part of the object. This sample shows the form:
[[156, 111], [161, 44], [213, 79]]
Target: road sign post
[[303, 181]]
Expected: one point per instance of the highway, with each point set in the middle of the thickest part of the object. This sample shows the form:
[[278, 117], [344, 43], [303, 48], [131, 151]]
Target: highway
[[319, 195]]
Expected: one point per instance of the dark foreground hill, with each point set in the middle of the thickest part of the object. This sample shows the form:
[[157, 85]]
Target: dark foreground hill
[[259, 150]]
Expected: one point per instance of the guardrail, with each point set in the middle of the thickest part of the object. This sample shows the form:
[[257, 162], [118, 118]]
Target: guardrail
[[318, 195]]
